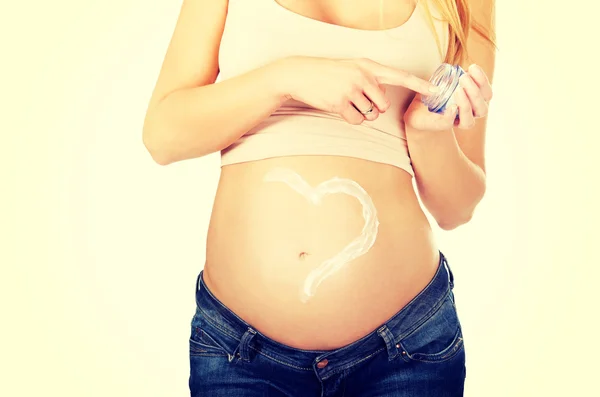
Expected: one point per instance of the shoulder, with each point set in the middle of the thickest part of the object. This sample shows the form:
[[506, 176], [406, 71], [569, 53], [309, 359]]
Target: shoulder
[[191, 58], [482, 12]]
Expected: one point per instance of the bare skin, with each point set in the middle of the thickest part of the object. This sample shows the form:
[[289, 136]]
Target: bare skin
[[259, 235], [264, 238]]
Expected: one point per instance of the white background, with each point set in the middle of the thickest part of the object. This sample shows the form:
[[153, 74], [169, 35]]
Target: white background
[[101, 247]]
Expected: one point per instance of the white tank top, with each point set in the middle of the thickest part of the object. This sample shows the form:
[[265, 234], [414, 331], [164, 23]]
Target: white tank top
[[258, 32]]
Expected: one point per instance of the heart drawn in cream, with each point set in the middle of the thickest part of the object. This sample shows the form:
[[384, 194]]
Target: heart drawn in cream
[[357, 247]]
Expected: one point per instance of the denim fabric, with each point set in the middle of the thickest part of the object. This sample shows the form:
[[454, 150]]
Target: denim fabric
[[419, 352]]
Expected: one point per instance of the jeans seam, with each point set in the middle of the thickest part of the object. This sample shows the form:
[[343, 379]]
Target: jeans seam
[[353, 363], [279, 361], [210, 321], [454, 349], [344, 385], [214, 324], [433, 310], [446, 358], [207, 354]]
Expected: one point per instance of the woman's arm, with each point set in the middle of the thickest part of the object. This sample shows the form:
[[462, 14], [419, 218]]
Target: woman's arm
[[450, 165], [194, 122], [188, 116]]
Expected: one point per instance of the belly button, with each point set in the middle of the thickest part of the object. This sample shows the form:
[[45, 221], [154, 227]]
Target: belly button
[[302, 255]]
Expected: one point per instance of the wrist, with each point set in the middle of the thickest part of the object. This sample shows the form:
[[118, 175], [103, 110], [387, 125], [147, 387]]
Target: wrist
[[277, 76], [417, 135]]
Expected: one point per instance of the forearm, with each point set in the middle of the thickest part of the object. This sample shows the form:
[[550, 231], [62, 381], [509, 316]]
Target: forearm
[[194, 122], [450, 185]]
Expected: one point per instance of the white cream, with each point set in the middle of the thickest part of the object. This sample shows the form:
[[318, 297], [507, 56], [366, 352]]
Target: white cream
[[357, 247]]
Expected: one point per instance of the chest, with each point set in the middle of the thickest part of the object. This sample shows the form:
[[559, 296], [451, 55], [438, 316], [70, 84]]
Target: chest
[[354, 14], [258, 32]]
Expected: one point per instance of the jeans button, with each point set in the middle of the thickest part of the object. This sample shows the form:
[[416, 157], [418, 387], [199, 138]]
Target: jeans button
[[322, 364]]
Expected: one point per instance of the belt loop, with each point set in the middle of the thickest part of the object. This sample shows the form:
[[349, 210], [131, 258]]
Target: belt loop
[[198, 280], [392, 348], [449, 271], [244, 347]]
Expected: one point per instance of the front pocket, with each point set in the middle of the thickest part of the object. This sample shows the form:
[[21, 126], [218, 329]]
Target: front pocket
[[455, 347], [202, 344], [438, 339]]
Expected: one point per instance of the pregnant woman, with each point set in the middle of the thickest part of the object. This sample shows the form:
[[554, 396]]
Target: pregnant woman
[[322, 277]]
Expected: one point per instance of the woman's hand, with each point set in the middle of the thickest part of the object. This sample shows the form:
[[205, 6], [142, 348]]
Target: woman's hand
[[471, 98], [344, 86]]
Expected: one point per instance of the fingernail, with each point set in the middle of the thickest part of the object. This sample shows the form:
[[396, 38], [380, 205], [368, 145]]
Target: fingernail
[[434, 88], [476, 70]]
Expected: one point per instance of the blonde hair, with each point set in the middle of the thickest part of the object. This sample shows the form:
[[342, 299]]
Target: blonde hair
[[457, 13]]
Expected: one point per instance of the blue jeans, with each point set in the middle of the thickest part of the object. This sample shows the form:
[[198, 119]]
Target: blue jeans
[[419, 352]]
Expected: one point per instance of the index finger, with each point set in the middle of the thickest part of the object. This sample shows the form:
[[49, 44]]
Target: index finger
[[393, 76]]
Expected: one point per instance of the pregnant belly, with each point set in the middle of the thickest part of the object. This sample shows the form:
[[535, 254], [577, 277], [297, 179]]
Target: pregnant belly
[[316, 252]]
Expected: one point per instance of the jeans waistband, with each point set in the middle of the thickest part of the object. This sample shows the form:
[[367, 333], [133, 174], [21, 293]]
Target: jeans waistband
[[387, 337]]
